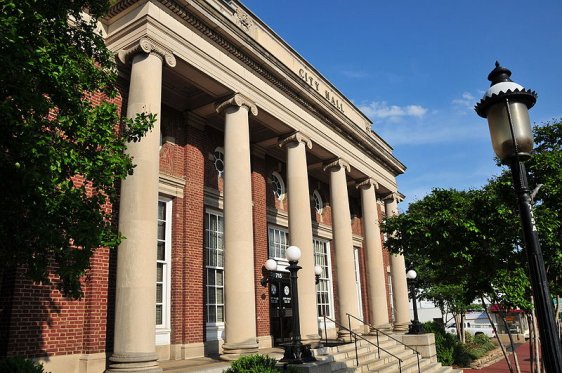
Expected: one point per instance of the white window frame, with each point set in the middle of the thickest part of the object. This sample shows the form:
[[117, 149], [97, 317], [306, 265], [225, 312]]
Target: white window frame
[[318, 202], [359, 290], [281, 245], [283, 191], [214, 329], [163, 330], [328, 278]]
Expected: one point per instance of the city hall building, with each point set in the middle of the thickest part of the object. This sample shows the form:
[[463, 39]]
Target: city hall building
[[253, 151]]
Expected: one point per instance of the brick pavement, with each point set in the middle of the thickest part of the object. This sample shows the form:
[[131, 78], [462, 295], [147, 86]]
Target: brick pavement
[[501, 366]]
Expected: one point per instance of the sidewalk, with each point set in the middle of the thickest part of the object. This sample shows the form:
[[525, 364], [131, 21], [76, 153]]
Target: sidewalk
[[501, 366]]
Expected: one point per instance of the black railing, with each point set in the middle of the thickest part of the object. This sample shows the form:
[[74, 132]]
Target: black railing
[[353, 338], [349, 317]]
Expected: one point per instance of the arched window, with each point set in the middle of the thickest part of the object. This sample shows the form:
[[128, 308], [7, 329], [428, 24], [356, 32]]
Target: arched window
[[219, 160], [318, 202], [277, 185]]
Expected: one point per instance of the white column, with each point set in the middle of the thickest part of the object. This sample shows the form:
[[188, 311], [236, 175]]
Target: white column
[[240, 304], [135, 300], [378, 305], [398, 274], [300, 231], [343, 239]]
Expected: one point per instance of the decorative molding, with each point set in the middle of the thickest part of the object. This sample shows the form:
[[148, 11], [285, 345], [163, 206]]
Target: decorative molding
[[357, 240], [213, 198], [239, 100], [244, 20], [322, 231], [367, 183], [170, 185], [277, 217], [295, 137], [336, 164], [146, 45]]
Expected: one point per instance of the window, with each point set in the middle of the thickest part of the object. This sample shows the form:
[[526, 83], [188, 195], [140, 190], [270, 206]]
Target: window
[[163, 263], [358, 282], [278, 243], [214, 265], [219, 161], [324, 286], [277, 185], [318, 203]]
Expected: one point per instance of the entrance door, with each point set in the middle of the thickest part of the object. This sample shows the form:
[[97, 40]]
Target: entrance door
[[281, 313]]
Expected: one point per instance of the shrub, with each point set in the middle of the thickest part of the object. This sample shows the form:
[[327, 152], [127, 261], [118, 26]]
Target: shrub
[[253, 364], [20, 365]]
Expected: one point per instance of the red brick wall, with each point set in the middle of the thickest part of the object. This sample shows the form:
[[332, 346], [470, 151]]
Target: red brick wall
[[259, 190]]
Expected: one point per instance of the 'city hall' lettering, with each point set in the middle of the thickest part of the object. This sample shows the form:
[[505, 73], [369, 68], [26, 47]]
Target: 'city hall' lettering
[[328, 94]]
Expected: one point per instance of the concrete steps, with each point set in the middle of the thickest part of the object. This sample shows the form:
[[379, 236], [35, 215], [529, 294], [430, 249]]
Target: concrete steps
[[343, 358]]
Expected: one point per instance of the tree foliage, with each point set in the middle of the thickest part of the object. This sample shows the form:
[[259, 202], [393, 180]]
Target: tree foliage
[[60, 154]]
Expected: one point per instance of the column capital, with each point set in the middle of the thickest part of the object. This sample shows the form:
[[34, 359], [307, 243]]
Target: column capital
[[295, 137], [239, 100], [367, 183], [336, 164], [148, 46], [392, 197]]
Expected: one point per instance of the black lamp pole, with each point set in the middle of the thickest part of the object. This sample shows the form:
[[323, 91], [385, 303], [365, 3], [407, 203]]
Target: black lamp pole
[[506, 105], [296, 352], [415, 327]]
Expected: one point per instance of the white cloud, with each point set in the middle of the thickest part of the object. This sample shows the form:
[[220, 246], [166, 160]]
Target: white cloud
[[467, 101], [381, 110]]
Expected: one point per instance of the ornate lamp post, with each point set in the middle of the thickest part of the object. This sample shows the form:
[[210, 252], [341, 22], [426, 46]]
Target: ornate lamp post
[[295, 352], [506, 106], [415, 327]]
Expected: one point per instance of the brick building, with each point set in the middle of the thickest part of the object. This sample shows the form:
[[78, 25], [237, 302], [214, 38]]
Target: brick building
[[253, 151]]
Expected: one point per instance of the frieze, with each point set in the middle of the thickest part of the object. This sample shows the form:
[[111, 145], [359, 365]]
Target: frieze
[[326, 93]]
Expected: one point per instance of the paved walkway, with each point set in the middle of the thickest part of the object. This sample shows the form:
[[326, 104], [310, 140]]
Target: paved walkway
[[501, 366]]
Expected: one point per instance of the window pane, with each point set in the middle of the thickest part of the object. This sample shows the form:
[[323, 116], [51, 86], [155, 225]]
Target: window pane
[[159, 272], [161, 230], [212, 315], [161, 210], [220, 298], [158, 293], [220, 313], [161, 250], [159, 316]]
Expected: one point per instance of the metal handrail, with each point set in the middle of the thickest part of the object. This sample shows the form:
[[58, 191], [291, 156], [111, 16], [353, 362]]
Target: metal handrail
[[355, 335], [349, 316]]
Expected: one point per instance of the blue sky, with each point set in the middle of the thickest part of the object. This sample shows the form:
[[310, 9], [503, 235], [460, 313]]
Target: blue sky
[[416, 68]]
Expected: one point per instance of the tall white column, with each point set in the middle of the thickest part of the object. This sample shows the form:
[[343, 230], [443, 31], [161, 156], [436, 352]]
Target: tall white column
[[343, 239], [240, 304], [300, 231], [135, 300], [398, 274], [378, 305]]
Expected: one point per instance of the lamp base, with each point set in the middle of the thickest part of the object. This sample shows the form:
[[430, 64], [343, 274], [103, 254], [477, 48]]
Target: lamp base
[[415, 328], [297, 353]]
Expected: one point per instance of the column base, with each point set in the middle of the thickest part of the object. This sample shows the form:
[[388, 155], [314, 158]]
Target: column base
[[401, 327], [383, 327], [231, 351], [134, 362]]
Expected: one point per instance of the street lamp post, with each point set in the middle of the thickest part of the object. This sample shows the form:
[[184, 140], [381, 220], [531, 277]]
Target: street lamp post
[[505, 104], [295, 352], [415, 327]]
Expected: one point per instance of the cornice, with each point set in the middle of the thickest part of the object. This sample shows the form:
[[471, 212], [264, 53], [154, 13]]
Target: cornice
[[297, 137], [239, 100], [385, 158], [147, 45], [336, 164]]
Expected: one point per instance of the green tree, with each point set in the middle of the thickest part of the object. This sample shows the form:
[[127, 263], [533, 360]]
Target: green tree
[[61, 153]]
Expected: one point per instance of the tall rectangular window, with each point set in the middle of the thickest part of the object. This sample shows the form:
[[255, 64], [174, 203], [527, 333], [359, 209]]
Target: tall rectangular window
[[278, 243], [324, 286], [214, 266], [163, 263]]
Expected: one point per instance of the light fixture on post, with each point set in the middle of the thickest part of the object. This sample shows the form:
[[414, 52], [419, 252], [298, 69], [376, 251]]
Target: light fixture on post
[[270, 266], [295, 352], [506, 106], [317, 273], [415, 327]]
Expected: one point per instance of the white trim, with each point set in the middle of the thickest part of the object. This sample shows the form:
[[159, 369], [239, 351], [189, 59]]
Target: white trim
[[283, 193], [326, 243], [358, 287], [163, 331], [320, 201]]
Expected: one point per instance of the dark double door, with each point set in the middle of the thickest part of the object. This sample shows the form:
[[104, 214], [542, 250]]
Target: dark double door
[[281, 313]]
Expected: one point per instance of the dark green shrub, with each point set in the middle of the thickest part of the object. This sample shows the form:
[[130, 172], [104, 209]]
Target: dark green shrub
[[253, 364], [18, 364], [444, 342], [462, 355]]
